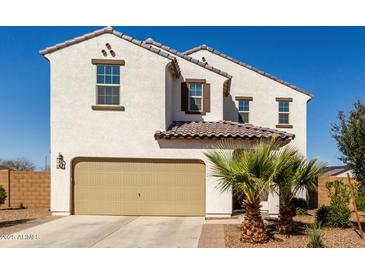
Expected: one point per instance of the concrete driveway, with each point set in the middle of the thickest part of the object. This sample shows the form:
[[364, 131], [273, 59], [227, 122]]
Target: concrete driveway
[[109, 231]]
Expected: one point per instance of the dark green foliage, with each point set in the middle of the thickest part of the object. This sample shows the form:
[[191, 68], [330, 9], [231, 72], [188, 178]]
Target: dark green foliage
[[349, 133], [2, 195], [360, 197], [301, 206], [338, 192], [322, 215], [300, 203], [315, 236], [300, 211], [339, 216], [338, 213]]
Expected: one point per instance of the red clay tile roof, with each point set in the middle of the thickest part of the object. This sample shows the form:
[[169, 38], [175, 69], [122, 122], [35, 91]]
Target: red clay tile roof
[[219, 130], [205, 47], [99, 32]]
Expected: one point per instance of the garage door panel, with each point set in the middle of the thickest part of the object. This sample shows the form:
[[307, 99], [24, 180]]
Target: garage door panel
[[139, 187]]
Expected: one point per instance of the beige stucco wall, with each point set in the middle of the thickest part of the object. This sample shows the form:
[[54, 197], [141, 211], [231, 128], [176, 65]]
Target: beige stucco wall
[[263, 108], [152, 100], [216, 81], [77, 130]]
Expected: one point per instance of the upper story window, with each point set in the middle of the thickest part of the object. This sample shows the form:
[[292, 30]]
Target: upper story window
[[243, 108], [195, 97], [108, 84], [284, 112], [243, 111]]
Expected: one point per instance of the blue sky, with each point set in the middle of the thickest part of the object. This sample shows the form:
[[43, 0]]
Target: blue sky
[[327, 61]]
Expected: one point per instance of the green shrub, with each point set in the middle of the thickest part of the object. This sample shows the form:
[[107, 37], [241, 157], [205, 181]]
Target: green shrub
[[339, 216], [360, 197], [300, 211], [322, 215], [338, 192], [2, 195], [300, 203], [315, 236]]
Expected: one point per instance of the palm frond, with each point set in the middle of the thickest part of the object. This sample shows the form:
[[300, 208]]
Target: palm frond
[[247, 171]]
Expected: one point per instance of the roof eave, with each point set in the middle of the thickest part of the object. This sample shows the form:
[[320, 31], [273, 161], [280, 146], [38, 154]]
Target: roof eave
[[187, 58], [110, 30], [205, 47]]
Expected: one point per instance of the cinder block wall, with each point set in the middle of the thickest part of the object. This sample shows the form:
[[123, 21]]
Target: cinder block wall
[[32, 189]]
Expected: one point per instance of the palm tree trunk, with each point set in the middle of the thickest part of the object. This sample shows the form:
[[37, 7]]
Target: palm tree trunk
[[286, 224], [253, 225]]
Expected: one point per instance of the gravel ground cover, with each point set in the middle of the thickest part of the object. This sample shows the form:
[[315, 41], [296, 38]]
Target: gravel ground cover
[[334, 237], [13, 220]]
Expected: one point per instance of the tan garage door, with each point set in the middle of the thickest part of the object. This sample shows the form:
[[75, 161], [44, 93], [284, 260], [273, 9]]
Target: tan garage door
[[139, 187]]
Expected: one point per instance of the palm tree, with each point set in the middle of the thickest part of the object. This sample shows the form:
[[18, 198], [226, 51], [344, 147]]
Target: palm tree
[[250, 173], [293, 175]]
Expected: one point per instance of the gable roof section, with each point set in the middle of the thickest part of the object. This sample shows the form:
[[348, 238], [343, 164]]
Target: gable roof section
[[219, 130], [110, 30], [205, 47], [150, 41], [227, 83]]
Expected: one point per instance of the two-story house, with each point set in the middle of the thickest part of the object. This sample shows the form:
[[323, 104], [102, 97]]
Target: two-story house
[[131, 120]]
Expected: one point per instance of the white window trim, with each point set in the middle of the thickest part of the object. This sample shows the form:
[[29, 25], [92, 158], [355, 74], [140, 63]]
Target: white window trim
[[198, 97], [284, 112]]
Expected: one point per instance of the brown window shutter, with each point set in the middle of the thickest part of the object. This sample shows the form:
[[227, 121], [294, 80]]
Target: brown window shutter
[[184, 97], [206, 97]]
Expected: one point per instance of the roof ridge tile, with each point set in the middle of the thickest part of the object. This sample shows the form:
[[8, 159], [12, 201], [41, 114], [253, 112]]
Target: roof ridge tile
[[219, 129]]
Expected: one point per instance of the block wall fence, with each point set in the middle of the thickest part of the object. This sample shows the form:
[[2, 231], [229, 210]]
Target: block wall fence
[[30, 189], [320, 196]]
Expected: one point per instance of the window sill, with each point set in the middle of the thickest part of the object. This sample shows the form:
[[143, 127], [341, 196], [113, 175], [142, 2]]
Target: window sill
[[108, 107], [195, 112], [284, 126]]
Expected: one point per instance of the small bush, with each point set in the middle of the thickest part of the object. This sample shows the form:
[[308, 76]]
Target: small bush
[[338, 192], [360, 197], [300, 211], [339, 216], [315, 236], [333, 216], [339, 213], [322, 215], [2, 195], [300, 205]]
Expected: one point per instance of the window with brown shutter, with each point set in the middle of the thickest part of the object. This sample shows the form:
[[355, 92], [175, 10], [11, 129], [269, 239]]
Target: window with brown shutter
[[206, 97], [184, 97], [195, 96]]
